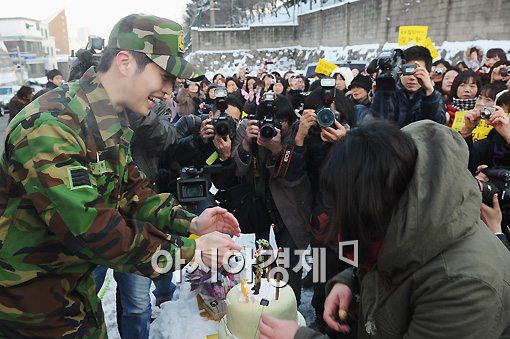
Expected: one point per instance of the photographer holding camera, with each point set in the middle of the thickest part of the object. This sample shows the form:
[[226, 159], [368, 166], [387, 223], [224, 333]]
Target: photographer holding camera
[[405, 93], [263, 198], [493, 150], [324, 122], [207, 140], [500, 72], [489, 158]]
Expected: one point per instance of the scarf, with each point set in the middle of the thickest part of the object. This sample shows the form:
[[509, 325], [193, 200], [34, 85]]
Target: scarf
[[464, 104]]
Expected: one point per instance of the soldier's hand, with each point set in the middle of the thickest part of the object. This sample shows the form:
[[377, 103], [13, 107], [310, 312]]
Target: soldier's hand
[[215, 219], [212, 247]]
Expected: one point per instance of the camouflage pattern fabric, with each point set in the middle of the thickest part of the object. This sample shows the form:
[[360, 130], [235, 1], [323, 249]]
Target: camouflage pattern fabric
[[71, 198], [159, 38]]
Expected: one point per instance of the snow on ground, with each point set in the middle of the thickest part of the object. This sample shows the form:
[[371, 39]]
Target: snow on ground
[[180, 317]]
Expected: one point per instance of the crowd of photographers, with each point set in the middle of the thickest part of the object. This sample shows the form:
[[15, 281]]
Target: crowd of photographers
[[261, 140], [255, 145]]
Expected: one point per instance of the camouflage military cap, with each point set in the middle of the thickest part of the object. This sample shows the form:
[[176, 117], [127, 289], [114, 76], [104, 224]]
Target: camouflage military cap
[[159, 38]]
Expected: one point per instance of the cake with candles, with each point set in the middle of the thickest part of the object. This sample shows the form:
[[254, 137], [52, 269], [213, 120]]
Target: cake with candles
[[246, 302], [244, 309]]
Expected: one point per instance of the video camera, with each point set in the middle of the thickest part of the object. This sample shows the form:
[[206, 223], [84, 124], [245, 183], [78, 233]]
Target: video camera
[[224, 125], [86, 57], [388, 66], [193, 185], [326, 115]]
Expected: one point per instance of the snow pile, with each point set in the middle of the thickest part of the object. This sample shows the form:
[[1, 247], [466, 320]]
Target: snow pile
[[289, 16], [179, 318], [298, 57]]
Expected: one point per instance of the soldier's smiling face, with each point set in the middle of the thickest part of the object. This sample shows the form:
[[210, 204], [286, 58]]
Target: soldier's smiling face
[[148, 87]]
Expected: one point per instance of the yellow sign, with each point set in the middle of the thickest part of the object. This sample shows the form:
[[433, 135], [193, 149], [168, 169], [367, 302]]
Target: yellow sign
[[406, 34], [427, 43], [458, 121], [481, 130], [324, 67], [479, 133], [180, 43]]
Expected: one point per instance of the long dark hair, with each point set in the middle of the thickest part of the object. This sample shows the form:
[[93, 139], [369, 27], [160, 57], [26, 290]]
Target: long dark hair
[[363, 179]]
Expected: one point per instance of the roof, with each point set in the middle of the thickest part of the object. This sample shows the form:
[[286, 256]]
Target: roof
[[54, 15]]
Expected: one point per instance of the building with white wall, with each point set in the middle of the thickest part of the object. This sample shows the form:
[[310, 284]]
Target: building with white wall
[[29, 44]]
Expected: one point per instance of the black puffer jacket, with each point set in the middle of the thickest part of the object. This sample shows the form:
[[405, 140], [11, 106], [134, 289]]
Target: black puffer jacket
[[191, 150], [154, 137]]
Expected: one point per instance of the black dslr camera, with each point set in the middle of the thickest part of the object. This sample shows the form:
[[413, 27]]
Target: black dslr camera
[[86, 57], [268, 125], [193, 185], [326, 115], [224, 125], [499, 183], [388, 66]]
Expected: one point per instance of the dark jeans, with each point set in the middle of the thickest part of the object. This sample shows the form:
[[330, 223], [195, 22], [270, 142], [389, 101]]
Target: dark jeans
[[134, 308]]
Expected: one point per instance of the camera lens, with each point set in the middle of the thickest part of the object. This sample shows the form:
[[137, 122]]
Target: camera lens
[[326, 117], [267, 131], [486, 113], [195, 190], [222, 129]]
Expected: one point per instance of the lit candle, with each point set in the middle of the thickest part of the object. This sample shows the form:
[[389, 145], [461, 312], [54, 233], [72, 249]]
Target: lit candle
[[244, 289]]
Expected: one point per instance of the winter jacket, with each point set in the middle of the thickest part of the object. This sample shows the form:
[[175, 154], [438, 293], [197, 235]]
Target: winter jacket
[[68, 178], [491, 151], [451, 114], [403, 108], [15, 105], [440, 272], [191, 150], [153, 136], [293, 200]]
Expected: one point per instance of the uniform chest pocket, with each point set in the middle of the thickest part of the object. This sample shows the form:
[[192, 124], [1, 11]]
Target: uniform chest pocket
[[109, 172]]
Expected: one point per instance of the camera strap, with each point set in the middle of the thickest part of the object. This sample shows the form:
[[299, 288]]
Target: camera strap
[[212, 158], [288, 151]]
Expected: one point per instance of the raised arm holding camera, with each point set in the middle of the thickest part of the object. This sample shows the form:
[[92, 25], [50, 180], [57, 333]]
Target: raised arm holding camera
[[263, 198], [205, 141], [404, 92]]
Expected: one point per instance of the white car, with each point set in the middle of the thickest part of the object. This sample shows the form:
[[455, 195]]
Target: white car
[[6, 94]]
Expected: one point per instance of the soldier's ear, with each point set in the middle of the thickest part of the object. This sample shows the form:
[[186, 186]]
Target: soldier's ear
[[123, 61]]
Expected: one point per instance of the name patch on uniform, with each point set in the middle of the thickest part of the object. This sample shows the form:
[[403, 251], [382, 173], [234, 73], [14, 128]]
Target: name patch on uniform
[[79, 177]]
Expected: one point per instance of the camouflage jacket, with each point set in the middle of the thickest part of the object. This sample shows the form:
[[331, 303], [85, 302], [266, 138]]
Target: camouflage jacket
[[71, 198]]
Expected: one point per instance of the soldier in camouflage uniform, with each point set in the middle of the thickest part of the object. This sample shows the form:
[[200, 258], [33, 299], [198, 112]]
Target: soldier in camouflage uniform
[[71, 197]]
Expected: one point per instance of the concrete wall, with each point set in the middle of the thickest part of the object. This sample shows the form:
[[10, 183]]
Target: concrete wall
[[370, 21]]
